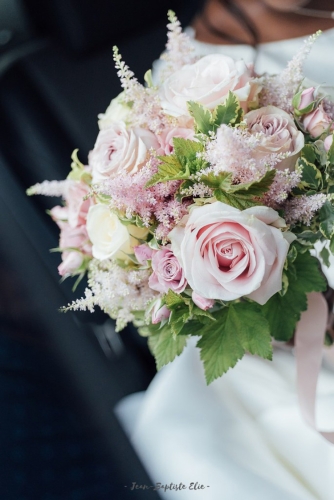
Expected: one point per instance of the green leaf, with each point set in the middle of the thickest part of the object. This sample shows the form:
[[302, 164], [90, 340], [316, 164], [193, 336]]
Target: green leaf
[[202, 117], [326, 217], [228, 113], [169, 169], [308, 236], [324, 254], [173, 299], [308, 153], [240, 202], [255, 188], [186, 147], [240, 196], [283, 312], [311, 176], [78, 172], [331, 153], [165, 347], [238, 328]]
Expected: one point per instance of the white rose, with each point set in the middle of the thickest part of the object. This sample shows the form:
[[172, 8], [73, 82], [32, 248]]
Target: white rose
[[119, 150], [208, 82], [115, 112], [111, 238]]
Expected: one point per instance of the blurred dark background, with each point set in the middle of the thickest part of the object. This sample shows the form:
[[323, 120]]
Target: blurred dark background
[[62, 374]]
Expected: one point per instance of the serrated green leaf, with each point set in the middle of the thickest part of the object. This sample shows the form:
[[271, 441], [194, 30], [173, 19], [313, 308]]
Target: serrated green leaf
[[173, 299], [283, 312], [254, 188], [331, 245], [227, 113], [324, 254], [186, 147], [238, 328], [169, 169], [234, 200], [222, 181], [165, 347], [202, 117]]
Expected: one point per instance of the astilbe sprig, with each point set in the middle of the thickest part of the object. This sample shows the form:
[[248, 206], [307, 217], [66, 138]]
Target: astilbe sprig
[[145, 105], [117, 291], [179, 49], [278, 90]]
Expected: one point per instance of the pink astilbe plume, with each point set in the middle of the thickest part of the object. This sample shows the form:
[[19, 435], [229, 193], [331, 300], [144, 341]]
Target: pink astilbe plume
[[131, 196], [146, 110], [179, 49], [278, 90], [303, 208]]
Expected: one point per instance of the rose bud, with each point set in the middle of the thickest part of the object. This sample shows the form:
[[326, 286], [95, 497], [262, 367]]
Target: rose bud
[[317, 122], [143, 253], [304, 101], [201, 302], [328, 142], [159, 313]]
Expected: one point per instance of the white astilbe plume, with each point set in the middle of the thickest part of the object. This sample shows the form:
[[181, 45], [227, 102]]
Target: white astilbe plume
[[117, 291], [179, 49], [145, 104], [278, 90], [50, 188], [303, 208]]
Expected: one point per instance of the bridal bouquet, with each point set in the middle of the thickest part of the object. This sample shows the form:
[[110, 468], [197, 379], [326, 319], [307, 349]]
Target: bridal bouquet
[[202, 203]]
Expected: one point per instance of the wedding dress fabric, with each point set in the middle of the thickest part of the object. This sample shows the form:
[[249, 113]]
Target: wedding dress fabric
[[243, 437]]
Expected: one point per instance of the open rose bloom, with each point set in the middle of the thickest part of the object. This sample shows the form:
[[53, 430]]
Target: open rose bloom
[[200, 204]]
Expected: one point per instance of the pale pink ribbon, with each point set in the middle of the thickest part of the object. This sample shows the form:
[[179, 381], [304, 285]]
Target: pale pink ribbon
[[309, 342]]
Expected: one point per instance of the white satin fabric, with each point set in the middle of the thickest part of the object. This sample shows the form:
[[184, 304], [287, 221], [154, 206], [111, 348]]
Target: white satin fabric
[[242, 437]]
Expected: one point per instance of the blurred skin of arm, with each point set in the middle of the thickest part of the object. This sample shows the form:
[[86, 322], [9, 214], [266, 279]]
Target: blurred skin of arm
[[272, 19]]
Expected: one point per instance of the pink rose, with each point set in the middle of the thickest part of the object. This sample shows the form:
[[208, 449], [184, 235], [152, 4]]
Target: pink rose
[[227, 253], [167, 135], [75, 244], [279, 134], [70, 263], [208, 82], [167, 272], [306, 98], [201, 302], [317, 122], [159, 313], [77, 206], [119, 150], [328, 142], [143, 253]]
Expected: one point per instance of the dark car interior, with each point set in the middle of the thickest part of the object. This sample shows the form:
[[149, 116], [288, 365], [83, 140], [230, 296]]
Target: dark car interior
[[62, 374]]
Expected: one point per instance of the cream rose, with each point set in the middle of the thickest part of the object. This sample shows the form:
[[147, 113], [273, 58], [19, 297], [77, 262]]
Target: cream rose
[[208, 82], [115, 112], [227, 253], [111, 238], [279, 134], [120, 150]]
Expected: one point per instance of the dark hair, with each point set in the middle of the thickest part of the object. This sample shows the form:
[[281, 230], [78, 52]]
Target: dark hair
[[243, 19]]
